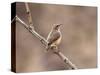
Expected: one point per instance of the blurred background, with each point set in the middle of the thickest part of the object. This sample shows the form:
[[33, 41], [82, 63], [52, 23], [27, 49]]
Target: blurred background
[[78, 43]]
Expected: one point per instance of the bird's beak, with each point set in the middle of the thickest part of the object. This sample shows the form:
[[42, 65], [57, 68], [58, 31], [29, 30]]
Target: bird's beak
[[59, 25]]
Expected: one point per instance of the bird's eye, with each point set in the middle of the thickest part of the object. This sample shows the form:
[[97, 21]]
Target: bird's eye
[[57, 25]]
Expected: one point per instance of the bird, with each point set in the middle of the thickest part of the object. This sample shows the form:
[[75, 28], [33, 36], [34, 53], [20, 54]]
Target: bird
[[54, 37]]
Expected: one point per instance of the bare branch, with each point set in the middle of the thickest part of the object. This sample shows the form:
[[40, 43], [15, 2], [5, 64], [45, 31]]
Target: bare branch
[[42, 39], [19, 20], [13, 19], [66, 60], [29, 15]]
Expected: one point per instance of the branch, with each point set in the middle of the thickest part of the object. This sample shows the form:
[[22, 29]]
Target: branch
[[66, 60], [13, 19], [42, 39], [29, 15]]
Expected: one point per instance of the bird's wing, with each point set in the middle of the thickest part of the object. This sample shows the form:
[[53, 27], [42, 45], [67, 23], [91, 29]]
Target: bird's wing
[[53, 37], [49, 34]]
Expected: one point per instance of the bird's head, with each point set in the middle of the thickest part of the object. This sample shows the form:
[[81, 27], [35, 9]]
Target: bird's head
[[57, 26]]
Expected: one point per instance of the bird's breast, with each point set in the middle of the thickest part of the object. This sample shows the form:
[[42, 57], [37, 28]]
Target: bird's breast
[[57, 42]]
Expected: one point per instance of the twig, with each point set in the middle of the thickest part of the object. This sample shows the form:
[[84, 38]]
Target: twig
[[29, 15], [66, 60], [42, 39], [13, 19]]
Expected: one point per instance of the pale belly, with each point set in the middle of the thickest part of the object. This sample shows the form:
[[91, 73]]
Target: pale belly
[[57, 42]]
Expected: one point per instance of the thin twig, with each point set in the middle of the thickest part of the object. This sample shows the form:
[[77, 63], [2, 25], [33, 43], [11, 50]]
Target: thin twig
[[42, 39], [13, 19], [29, 15], [66, 60]]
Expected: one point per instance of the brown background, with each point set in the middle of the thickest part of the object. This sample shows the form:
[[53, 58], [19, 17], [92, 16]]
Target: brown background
[[79, 33]]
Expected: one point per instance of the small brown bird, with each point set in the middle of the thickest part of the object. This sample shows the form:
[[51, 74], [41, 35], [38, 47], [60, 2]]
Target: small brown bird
[[54, 37]]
